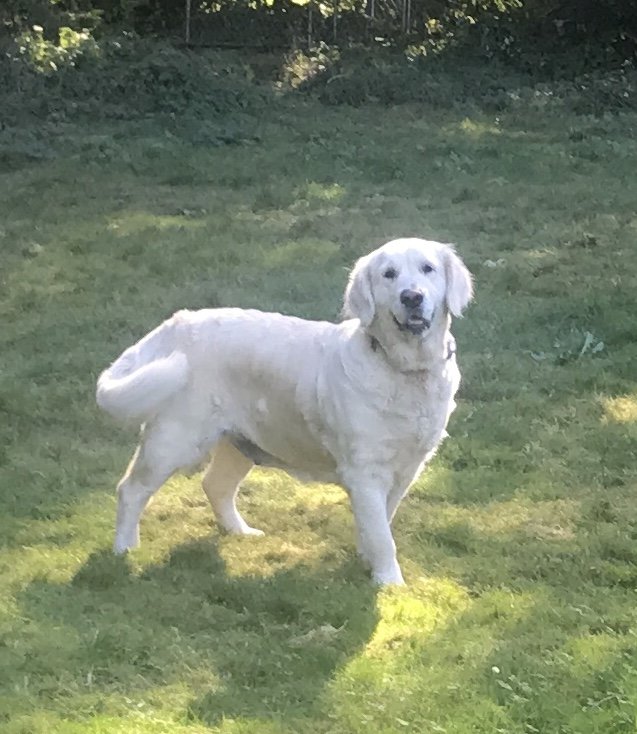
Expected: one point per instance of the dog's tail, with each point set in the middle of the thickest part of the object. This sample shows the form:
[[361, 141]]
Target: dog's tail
[[147, 374]]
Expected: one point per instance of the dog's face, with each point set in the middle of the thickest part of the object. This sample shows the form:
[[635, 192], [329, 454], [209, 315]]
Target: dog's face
[[406, 284]]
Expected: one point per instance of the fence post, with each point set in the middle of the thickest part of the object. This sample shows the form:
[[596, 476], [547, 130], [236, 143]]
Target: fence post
[[334, 21], [310, 20]]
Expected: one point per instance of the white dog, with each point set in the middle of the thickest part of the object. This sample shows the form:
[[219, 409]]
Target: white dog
[[363, 403]]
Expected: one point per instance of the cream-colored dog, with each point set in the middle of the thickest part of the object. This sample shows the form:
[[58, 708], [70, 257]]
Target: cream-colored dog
[[363, 403]]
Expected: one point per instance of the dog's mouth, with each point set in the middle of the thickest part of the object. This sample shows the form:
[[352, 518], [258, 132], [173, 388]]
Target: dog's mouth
[[415, 324]]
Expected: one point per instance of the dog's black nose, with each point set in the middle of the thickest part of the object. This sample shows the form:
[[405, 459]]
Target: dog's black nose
[[411, 299]]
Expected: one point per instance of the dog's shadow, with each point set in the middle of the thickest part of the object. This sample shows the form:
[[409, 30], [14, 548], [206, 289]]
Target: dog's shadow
[[258, 644]]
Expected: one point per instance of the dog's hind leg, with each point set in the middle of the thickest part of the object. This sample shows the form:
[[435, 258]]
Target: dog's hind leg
[[221, 485], [163, 450]]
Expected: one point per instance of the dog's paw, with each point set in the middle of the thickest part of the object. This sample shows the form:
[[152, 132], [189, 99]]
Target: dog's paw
[[122, 544], [393, 577], [120, 549], [364, 560], [244, 529]]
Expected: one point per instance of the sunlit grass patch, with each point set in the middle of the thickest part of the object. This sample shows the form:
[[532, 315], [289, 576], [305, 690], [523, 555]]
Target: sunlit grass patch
[[127, 224], [324, 192], [290, 254], [621, 409], [478, 128]]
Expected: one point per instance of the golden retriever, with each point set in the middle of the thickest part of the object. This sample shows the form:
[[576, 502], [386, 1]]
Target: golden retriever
[[363, 403]]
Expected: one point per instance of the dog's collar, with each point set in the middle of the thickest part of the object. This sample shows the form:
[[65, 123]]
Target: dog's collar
[[450, 346]]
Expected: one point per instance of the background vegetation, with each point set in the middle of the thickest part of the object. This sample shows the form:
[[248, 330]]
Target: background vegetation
[[88, 59], [508, 27], [138, 176]]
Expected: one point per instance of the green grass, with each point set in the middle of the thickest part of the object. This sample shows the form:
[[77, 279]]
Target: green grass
[[519, 544]]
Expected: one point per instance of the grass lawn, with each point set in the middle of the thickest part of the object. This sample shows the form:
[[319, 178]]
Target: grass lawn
[[519, 544]]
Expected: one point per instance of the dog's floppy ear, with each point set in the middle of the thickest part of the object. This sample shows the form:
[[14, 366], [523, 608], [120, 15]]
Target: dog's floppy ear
[[459, 283], [359, 299]]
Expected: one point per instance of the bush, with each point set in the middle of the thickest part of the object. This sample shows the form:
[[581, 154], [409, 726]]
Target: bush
[[123, 78], [355, 78]]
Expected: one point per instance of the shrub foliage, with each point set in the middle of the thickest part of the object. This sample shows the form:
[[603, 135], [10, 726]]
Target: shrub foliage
[[118, 78], [88, 59], [604, 31]]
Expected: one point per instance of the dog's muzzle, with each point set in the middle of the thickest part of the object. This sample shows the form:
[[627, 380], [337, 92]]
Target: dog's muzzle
[[414, 322]]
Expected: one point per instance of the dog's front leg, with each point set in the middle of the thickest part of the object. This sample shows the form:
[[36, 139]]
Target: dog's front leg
[[394, 498], [375, 541]]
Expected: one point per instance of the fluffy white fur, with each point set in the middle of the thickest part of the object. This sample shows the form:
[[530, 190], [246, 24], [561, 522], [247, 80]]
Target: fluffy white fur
[[363, 403]]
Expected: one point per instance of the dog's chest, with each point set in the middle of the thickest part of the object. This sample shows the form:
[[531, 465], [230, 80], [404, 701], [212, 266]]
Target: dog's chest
[[424, 417], [417, 412]]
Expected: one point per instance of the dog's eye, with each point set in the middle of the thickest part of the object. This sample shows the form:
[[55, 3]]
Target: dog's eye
[[427, 268], [390, 273]]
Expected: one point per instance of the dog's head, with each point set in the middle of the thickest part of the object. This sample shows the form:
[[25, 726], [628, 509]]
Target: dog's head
[[408, 282]]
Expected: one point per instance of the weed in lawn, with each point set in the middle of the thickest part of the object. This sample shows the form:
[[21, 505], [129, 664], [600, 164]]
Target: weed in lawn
[[518, 542]]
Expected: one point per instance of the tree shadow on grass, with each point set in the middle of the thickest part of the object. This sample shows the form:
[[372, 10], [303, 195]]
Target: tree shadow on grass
[[533, 630], [242, 645]]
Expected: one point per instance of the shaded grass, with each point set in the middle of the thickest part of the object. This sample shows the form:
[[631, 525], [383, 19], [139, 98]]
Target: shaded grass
[[518, 544]]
